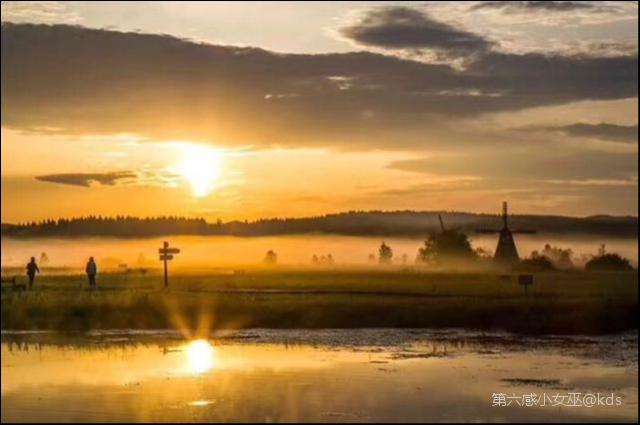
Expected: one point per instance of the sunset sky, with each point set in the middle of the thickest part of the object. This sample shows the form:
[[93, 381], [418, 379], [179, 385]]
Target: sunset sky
[[244, 110]]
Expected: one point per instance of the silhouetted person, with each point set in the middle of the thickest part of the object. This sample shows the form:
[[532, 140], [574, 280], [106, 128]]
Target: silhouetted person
[[32, 269], [92, 270]]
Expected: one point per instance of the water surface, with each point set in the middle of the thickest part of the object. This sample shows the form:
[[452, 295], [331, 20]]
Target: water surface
[[319, 376]]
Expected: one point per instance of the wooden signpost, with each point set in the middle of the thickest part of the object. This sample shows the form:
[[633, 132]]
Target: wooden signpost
[[166, 255]]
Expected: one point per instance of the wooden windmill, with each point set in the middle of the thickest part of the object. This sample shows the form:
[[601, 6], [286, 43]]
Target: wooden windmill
[[506, 252]]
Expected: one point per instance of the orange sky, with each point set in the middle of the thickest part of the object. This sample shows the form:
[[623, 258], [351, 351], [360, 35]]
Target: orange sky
[[383, 106]]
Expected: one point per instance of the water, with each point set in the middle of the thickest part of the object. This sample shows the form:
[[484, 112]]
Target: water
[[223, 251], [317, 376]]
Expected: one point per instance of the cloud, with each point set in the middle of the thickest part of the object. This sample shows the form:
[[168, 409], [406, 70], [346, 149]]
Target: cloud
[[407, 28], [89, 179], [555, 13], [611, 48], [533, 165], [527, 6], [576, 198], [601, 49], [581, 181], [78, 81], [430, 31], [38, 11], [602, 131], [147, 177]]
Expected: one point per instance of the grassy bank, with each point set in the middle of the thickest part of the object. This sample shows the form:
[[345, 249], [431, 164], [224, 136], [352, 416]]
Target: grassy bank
[[559, 302]]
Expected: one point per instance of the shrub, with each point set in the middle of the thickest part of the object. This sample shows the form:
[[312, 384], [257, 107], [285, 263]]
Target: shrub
[[537, 262], [271, 257], [445, 246], [608, 262]]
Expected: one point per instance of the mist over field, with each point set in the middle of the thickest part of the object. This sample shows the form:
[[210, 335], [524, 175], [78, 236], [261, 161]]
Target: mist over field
[[230, 251]]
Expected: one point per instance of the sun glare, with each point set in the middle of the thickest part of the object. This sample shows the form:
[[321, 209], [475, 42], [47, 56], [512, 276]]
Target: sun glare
[[200, 356], [201, 168]]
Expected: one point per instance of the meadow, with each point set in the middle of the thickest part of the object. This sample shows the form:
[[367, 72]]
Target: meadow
[[571, 302]]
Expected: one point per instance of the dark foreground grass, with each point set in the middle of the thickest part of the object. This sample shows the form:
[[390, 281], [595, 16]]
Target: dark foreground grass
[[559, 302]]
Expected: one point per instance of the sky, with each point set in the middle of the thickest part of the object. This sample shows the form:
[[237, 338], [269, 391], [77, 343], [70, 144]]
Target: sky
[[244, 110]]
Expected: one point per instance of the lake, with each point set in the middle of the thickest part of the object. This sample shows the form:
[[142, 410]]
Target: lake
[[318, 376], [229, 251]]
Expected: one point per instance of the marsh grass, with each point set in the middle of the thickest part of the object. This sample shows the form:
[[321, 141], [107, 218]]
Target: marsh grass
[[559, 302]]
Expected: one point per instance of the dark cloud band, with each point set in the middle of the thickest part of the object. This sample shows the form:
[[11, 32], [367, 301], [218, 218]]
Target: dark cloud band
[[89, 179], [83, 81]]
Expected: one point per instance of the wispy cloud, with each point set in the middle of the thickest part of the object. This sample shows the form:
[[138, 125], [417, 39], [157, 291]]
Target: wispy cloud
[[46, 12], [602, 131], [144, 177], [528, 6], [509, 165], [89, 179], [553, 13]]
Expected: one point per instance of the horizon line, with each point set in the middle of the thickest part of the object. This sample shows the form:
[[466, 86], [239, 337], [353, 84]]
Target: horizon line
[[347, 212]]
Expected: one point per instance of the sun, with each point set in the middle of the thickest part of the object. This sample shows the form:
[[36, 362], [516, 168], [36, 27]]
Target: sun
[[200, 166], [200, 356]]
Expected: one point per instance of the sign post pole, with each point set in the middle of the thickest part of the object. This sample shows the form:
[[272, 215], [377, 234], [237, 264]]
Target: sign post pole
[[166, 255], [166, 268]]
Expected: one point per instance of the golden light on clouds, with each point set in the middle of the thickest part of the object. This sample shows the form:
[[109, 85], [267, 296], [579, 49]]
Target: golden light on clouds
[[224, 123], [201, 167]]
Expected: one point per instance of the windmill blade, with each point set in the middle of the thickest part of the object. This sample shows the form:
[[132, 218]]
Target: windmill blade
[[441, 223], [487, 231], [525, 231]]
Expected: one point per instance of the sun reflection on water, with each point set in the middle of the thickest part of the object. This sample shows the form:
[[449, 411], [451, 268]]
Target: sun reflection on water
[[201, 403], [200, 356]]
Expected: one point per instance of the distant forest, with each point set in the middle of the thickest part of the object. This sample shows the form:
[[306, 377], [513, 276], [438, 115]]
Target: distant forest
[[354, 223]]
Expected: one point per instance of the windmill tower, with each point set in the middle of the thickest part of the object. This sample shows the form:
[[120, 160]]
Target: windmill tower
[[506, 252]]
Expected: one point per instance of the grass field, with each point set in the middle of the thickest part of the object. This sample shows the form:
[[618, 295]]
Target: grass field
[[575, 302]]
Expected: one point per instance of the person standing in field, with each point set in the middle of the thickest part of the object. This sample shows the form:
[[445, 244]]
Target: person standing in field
[[92, 270], [32, 269]]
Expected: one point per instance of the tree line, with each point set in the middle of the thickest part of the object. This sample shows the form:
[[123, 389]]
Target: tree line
[[355, 223]]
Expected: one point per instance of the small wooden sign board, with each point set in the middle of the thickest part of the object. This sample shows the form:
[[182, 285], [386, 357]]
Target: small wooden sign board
[[525, 280]]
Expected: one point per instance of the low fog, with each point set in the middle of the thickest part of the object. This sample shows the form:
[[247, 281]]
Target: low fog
[[222, 251]]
